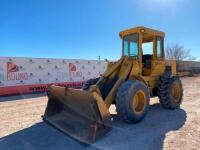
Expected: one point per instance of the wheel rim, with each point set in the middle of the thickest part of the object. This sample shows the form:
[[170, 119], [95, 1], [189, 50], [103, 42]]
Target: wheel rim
[[176, 92], [139, 102]]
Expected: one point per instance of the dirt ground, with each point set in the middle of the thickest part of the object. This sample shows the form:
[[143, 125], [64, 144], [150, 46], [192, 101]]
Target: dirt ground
[[21, 126]]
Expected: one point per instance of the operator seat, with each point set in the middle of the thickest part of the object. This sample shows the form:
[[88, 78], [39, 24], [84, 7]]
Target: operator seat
[[146, 61]]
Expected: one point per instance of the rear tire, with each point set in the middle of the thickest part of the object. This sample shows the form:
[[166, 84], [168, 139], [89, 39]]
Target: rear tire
[[132, 101], [88, 83], [170, 92]]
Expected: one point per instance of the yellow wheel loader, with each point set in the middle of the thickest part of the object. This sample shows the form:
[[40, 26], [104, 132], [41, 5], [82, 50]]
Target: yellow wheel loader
[[129, 83]]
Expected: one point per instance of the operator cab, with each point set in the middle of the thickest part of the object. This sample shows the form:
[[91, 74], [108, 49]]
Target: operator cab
[[143, 44]]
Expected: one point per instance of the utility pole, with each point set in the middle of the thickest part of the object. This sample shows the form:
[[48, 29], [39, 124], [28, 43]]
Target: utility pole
[[99, 59]]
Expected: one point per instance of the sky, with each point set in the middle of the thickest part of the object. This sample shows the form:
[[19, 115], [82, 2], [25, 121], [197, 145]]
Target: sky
[[86, 29]]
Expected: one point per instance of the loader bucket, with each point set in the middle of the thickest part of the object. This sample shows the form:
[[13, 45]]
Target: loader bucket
[[77, 113]]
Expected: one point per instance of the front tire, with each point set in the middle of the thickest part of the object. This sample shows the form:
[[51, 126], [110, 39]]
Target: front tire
[[132, 101], [170, 92]]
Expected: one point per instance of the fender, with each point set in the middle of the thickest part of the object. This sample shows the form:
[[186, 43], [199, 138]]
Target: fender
[[140, 78]]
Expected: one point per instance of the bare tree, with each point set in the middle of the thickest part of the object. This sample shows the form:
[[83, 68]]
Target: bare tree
[[178, 52]]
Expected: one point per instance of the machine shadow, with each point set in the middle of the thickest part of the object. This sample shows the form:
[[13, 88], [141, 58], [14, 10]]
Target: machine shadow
[[40, 136], [148, 134]]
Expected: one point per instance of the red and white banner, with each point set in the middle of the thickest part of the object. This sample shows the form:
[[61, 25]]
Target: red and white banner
[[29, 75]]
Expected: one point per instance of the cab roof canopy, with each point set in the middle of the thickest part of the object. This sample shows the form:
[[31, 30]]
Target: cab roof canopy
[[143, 30]]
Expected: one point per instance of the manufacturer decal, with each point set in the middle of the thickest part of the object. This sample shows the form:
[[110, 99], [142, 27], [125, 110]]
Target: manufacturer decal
[[14, 73], [73, 71]]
